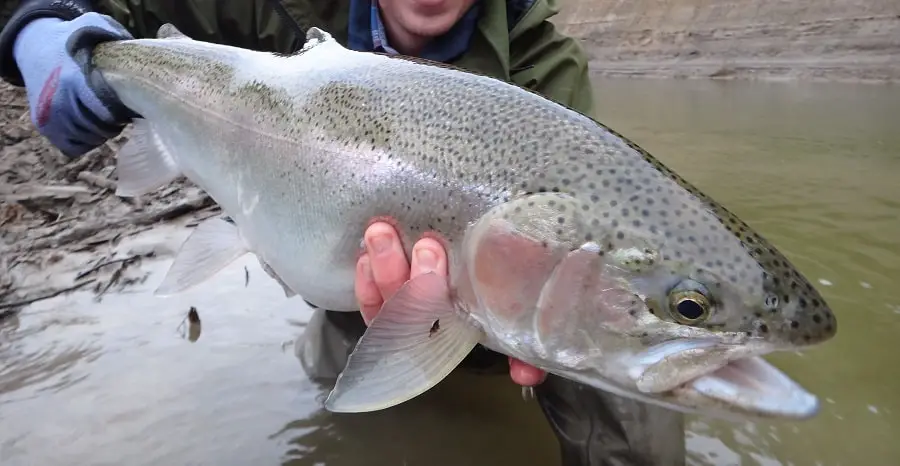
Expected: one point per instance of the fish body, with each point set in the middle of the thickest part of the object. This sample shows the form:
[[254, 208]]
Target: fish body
[[570, 247]]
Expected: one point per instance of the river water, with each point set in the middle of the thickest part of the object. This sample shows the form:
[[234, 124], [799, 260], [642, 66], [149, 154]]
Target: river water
[[813, 167]]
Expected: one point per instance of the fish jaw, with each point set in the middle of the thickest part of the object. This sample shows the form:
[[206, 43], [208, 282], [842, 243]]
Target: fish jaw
[[756, 386], [695, 376], [715, 377], [746, 388]]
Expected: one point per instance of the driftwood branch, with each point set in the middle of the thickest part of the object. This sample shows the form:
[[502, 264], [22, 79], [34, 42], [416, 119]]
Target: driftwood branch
[[99, 181], [124, 260], [42, 297], [186, 206], [169, 212]]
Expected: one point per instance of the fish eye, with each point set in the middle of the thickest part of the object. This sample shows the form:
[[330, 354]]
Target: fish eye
[[688, 304]]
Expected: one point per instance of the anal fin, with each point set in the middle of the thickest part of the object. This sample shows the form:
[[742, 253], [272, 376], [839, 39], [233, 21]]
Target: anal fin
[[143, 163], [213, 245], [415, 341]]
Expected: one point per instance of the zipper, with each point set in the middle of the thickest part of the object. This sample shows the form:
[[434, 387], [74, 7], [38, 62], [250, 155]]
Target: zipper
[[299, 34]]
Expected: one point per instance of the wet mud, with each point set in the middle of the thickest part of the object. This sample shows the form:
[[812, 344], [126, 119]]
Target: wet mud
[[60, 219]]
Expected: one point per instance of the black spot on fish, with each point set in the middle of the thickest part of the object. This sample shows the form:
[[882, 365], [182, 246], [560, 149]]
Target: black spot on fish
[[434, 328]]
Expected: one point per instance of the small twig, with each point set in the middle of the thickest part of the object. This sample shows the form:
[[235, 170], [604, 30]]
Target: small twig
[[127, 260], [60, 222], [70, 236], [81, 163], [116, 276], [99, 181], [53, 294], [168, 213], [201, 217], [25, 193], [175, 210]]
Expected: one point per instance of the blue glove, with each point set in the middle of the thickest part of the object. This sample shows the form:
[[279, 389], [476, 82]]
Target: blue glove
[[74, 114]]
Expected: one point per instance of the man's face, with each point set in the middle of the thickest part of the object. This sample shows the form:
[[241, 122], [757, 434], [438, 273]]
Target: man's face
[[426, 18]]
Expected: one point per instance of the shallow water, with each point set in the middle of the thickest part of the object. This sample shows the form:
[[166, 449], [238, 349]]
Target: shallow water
[[116, 382], [815, 168]]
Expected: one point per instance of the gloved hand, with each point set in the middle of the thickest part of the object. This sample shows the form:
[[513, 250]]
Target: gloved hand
[[74, 114]]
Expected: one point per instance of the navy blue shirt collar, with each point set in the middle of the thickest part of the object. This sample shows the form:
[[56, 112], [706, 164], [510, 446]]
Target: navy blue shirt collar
[[367, 33]]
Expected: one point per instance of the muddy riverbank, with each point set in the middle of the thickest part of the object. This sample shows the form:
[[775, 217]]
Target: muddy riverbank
[[60, 219], [838, 40]]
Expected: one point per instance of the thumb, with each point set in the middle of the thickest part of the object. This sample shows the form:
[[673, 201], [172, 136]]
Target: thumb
[[428, 255]]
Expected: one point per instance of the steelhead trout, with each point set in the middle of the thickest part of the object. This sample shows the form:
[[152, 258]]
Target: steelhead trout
[[570, 247]]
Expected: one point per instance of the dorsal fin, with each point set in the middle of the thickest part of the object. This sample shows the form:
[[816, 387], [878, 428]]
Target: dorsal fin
[[314, 37], [169, 31]]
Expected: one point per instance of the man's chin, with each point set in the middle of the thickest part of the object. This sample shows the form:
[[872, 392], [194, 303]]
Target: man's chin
[[431, 18], [430, 26]]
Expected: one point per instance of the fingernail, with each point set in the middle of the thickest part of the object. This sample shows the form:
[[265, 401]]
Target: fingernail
[[381, 243], [426, 259]]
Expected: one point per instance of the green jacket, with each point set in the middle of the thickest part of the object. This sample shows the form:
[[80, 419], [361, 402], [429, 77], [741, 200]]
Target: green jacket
[[514, 41]]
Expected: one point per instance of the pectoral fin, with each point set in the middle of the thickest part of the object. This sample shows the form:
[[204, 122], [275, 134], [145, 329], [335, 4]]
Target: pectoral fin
[[144, 163], [213, 245], [414, 342]]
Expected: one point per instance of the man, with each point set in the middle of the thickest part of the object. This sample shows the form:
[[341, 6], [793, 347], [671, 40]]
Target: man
[[510, 40]]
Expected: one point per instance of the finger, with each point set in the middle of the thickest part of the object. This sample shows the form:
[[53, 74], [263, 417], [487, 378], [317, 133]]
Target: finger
[[367, 293], [428, 255], [524, 374], [390, 268]]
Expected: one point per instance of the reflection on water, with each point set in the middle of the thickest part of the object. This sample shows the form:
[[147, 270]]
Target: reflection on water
[[815, 168], [120, 379]]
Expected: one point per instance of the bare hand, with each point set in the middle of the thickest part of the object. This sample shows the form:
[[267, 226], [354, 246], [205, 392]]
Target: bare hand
[[383, 269]]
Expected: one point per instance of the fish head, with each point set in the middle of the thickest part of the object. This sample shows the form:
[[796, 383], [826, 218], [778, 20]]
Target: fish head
[[674, 312], [713, 298]]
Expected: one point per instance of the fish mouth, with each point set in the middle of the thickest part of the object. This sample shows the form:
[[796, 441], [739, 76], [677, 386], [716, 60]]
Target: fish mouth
[[733, 378], [754, 385]]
